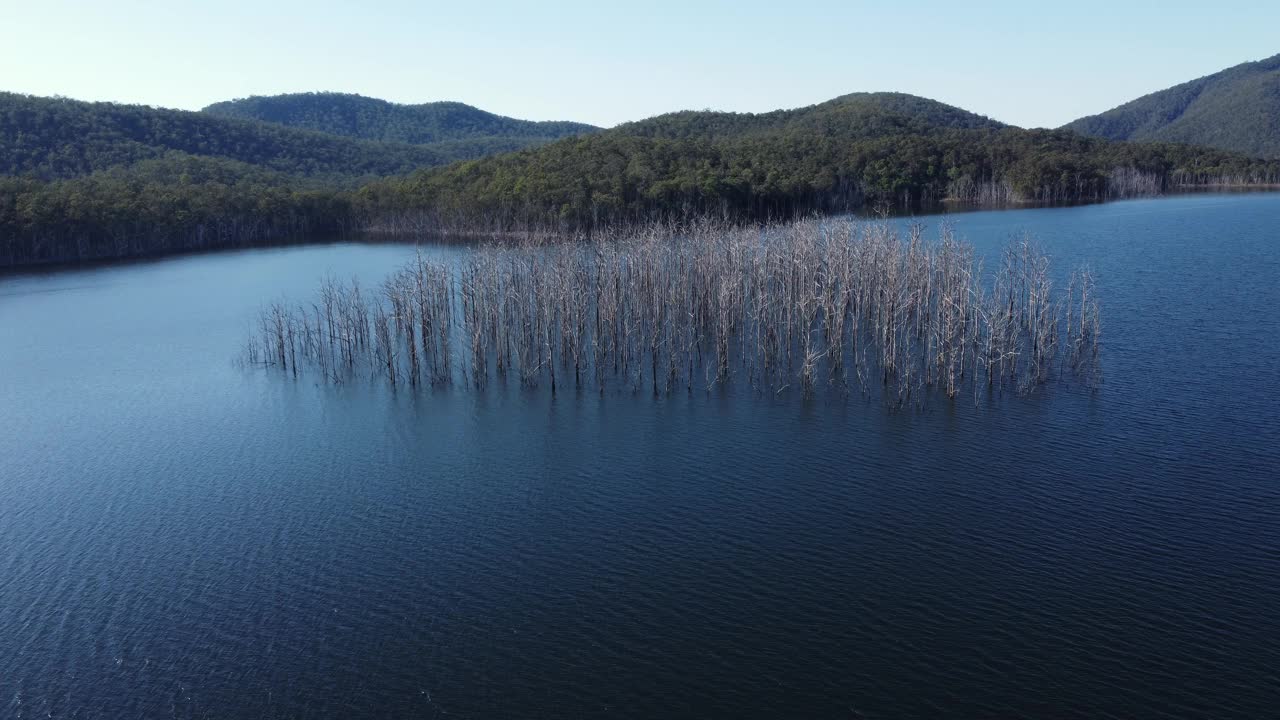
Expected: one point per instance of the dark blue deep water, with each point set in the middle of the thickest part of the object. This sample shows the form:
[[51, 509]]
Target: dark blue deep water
[[181, 537]]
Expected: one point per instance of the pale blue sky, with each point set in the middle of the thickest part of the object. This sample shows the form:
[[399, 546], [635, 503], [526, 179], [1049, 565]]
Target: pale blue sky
[[1026, 63]]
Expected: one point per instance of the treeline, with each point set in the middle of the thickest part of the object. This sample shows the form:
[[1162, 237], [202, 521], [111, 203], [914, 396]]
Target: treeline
[[372, 119], [170, 204]]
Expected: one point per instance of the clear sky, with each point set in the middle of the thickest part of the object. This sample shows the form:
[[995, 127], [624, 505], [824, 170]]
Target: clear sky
[[1026, 63]]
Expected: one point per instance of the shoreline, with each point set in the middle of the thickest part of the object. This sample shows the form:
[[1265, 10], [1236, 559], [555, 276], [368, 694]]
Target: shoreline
[[373, 236]]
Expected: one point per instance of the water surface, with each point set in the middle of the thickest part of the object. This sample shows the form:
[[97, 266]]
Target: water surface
[[183, 537]]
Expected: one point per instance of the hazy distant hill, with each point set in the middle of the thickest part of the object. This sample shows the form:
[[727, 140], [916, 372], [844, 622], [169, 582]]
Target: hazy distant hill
[[1236, 109], [372, 119]]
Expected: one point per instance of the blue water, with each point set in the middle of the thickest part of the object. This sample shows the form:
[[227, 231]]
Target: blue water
[[183, 537]]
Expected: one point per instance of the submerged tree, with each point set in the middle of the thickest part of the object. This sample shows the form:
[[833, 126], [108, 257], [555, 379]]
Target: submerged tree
[[811, 304]]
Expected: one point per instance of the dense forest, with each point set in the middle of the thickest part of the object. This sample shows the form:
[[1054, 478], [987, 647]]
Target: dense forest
[[372, 119], [1235, 109], [53, 138], [96, 180], [867, 149], [173, 203], [83, 180]]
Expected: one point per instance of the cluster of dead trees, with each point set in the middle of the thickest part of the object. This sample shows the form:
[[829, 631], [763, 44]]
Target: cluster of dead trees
[[1130, 182], [809, 304], [1260, 178], [1121, 182]]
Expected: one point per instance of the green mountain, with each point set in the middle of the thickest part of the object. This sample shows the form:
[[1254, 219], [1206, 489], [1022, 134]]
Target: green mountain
[[56, 138], [366, 118], [853, 116], [1236, 109], [94, 180], [854, 151]]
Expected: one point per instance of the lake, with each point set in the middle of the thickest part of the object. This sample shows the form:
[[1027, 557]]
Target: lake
[[185, 537]]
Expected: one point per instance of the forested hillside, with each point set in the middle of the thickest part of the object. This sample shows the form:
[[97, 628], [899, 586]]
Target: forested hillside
[[172, 203], [850, 117], [372, 119], [53, 138], [889, 149], [1236, 109], [94, 180], [83, 180]]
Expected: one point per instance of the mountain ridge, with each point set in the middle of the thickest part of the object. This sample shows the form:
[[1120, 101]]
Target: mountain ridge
[[84, 181], [684, 123], [852, 151], [60, 138], [1236, 109], [367, 118]]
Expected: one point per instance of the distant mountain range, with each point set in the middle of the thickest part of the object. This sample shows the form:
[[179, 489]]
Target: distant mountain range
[[82, 180], [880, 149], [1236, 109], [57, 138], [856, 115], [356, 116]]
